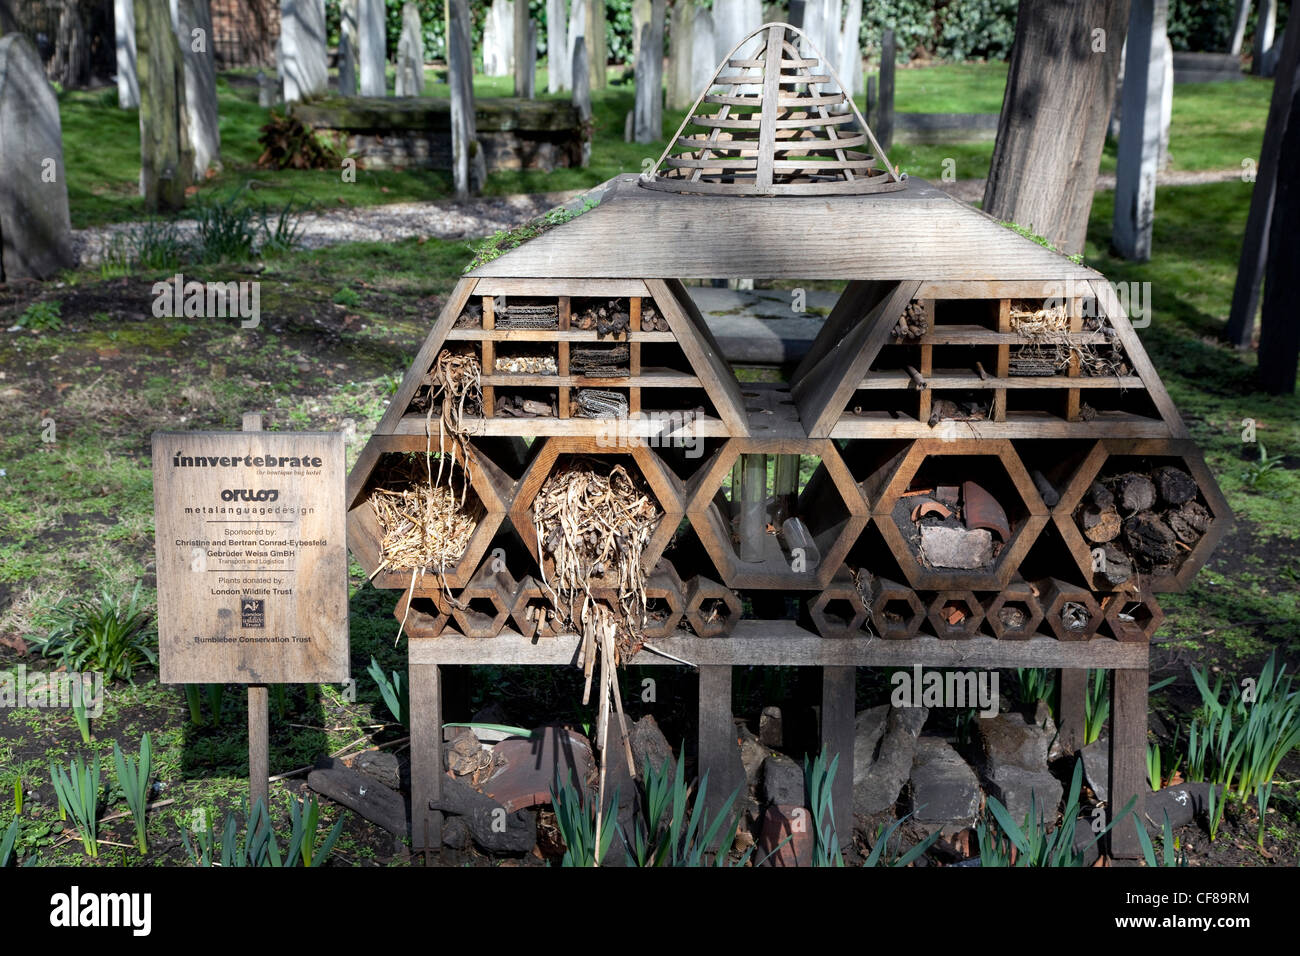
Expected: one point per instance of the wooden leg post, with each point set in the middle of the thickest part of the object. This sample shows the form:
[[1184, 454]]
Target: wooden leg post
[[838, 699], [719, 755], [426, 757], [1073, 684], [1128, 757], [259, 755]]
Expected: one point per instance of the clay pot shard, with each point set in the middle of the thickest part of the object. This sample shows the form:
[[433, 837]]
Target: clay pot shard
[[929, 506], [981, 510]]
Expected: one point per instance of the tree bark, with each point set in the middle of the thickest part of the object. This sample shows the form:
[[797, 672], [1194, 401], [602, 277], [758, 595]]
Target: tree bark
[[1279, 328], [1254, 245], [71, 62], [166, 157], [1060, 87]]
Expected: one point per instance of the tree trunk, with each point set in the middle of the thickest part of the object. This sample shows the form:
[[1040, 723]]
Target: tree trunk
[[71, 60], [166, 158], [1060, 87], [1279, 328], [597, 51], [1239, 27]]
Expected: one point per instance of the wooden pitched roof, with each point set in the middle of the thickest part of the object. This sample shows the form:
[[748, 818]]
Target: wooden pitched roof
[[918, 232]]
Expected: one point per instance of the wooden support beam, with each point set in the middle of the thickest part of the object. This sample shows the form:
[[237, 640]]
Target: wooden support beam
[[1072, 685], [1128, 757], [426, 749], [719, 756], [838, 731]]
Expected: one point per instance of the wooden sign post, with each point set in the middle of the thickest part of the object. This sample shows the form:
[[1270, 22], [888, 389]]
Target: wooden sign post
[[252, 565]]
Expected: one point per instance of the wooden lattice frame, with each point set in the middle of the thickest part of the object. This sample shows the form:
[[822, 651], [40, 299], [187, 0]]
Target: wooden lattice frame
[[734, 154]]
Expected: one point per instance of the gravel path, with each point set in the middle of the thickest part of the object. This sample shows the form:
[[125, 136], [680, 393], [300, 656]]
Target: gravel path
[[443, 219], [477, 218]]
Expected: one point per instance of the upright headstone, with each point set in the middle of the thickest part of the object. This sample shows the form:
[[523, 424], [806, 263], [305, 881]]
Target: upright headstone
[[1166, 103], [1240, 21], [530, 62], [581, 83], [577, 28], [681, 33], [305, 65], [166, 157], [522, 61], [732, 21], [1139, 137], [372, 40], [35, 230], [648, 112], [814, 19], [348, 48], [558, 65], [128, 87], [194, 34], [499, 38], [410, 53], [703, 51], [267, 90], [468, 165], [849, 62]]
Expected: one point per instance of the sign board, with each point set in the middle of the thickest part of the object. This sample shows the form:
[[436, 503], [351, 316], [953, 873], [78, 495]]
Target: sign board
[[252, 557]]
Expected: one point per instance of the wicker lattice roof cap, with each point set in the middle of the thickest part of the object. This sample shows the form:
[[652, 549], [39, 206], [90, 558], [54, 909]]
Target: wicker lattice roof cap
[[794, 136]]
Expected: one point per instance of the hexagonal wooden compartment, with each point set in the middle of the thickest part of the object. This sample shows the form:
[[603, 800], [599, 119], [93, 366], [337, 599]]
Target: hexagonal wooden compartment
[[1111, 459], [930, 463], [490, 486], [831, 506]]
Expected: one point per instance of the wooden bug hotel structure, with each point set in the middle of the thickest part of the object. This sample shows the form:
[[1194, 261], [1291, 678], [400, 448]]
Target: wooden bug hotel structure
[[993, 474]]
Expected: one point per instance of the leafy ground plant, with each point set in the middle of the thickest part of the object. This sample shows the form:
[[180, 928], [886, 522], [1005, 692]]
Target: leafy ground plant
[[575, 817], [109, 634], [42, 316], [7, 842], [394, 691], [78, 791], [254, 847], [819, 777], [304, 816], [133, 779], [674, 831], [1171, 854]]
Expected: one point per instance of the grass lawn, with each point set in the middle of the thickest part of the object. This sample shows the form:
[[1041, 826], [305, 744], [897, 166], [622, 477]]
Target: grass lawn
[[1215, 126]]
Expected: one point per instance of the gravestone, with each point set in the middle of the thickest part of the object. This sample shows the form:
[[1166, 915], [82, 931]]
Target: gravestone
[[703, 49], [128, 86], [499, 38], [732, 21], [1138, 158], [849, 55], [523, 63], [558, 64], [35, 230], [469, 168], [166, 157], [597, 47], [304, 63], [577, 28], [530, 63], [348, 48], [194, 34], [410, 53], [372, 42]]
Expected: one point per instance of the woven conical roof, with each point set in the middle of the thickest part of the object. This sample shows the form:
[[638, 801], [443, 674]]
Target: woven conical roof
[[780, 125]]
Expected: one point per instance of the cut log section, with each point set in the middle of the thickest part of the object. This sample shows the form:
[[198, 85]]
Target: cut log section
[[1130, 618], [896, 612], [1014, 613], [955, 615], [711, 608], [1141, 516], [1069, 610]]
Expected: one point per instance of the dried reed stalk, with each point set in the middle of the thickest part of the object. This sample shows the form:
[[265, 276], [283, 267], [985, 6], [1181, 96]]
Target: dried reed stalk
[[593, 520], [1047, 333]]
